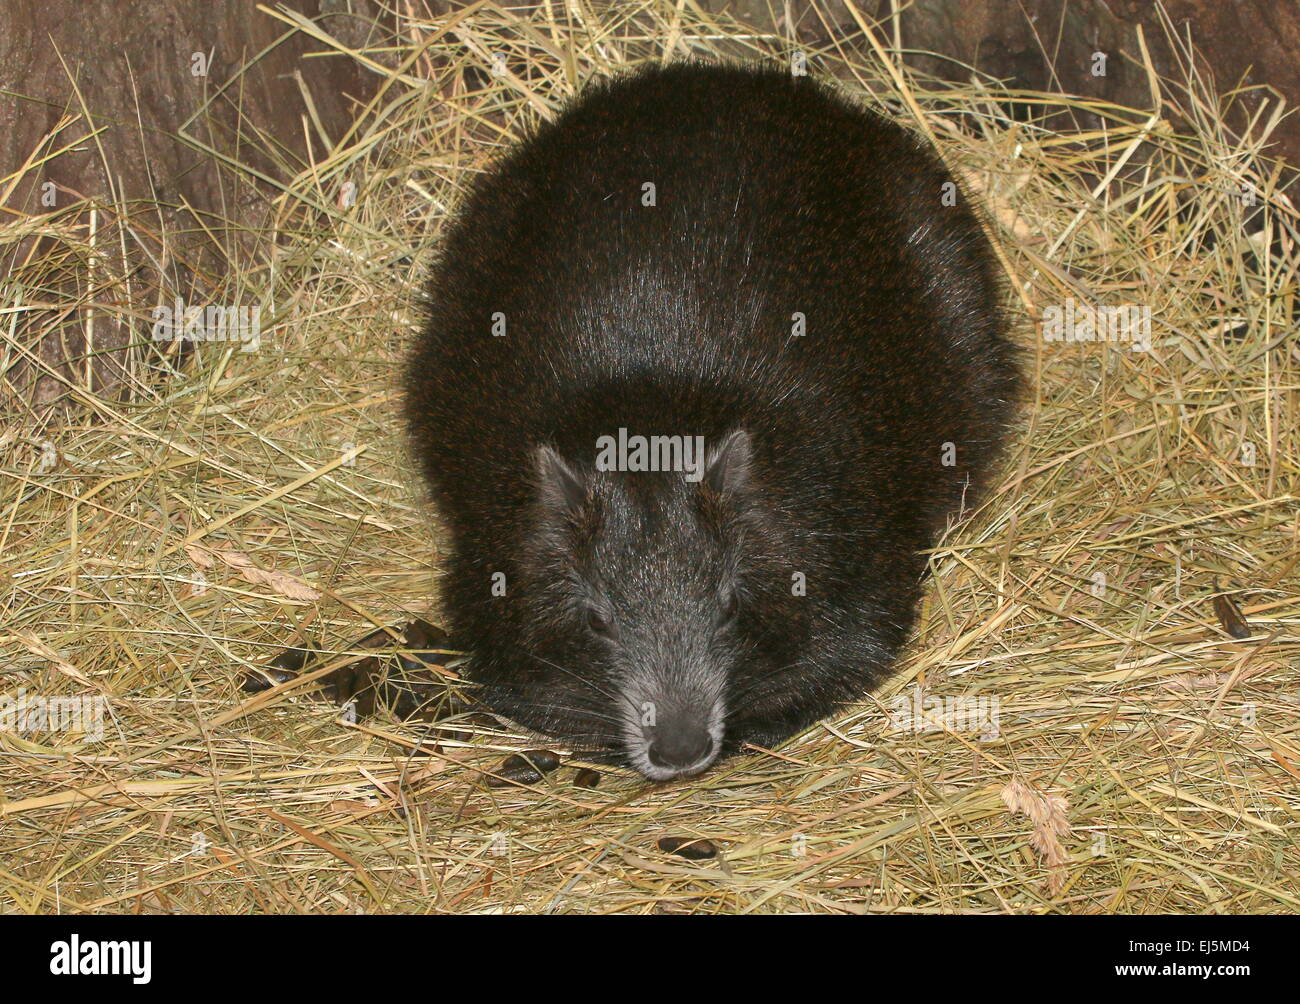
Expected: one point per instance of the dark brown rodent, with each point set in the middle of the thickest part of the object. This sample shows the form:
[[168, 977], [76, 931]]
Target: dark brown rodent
[[724, 252]]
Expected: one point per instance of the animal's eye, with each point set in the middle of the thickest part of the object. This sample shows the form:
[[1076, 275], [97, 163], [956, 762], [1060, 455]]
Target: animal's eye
[[597, 621], [730, 607]]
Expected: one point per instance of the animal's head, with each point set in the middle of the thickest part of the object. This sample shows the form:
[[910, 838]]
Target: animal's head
[[656, 607]]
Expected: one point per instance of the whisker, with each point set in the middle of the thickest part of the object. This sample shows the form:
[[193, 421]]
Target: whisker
[[592, 713], [740, 699], [615, 697]]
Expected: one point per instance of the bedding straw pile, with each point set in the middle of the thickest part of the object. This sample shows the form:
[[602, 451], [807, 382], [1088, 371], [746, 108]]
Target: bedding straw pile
[[1074, 728]]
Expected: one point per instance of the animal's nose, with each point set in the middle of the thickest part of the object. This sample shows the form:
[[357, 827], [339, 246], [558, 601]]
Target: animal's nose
[[678, 745]]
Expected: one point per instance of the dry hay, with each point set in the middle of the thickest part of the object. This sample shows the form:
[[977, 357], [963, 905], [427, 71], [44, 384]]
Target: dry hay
[[1143, 760]]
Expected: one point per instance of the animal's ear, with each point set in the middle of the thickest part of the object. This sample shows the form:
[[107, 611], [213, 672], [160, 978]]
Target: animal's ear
[[726, 465], [562, 488]]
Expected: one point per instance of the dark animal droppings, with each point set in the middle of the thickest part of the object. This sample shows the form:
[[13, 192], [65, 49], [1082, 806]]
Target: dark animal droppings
[[293, 659], [283, 668], [695, 848], [523, 768], [1230, 618], [416, 692], [586, 778]]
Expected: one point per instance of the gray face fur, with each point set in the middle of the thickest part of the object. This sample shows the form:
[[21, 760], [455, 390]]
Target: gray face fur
[[644, 592]]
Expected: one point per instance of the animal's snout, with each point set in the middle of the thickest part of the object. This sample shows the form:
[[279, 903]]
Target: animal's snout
[[680, 745], [678, 735]]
